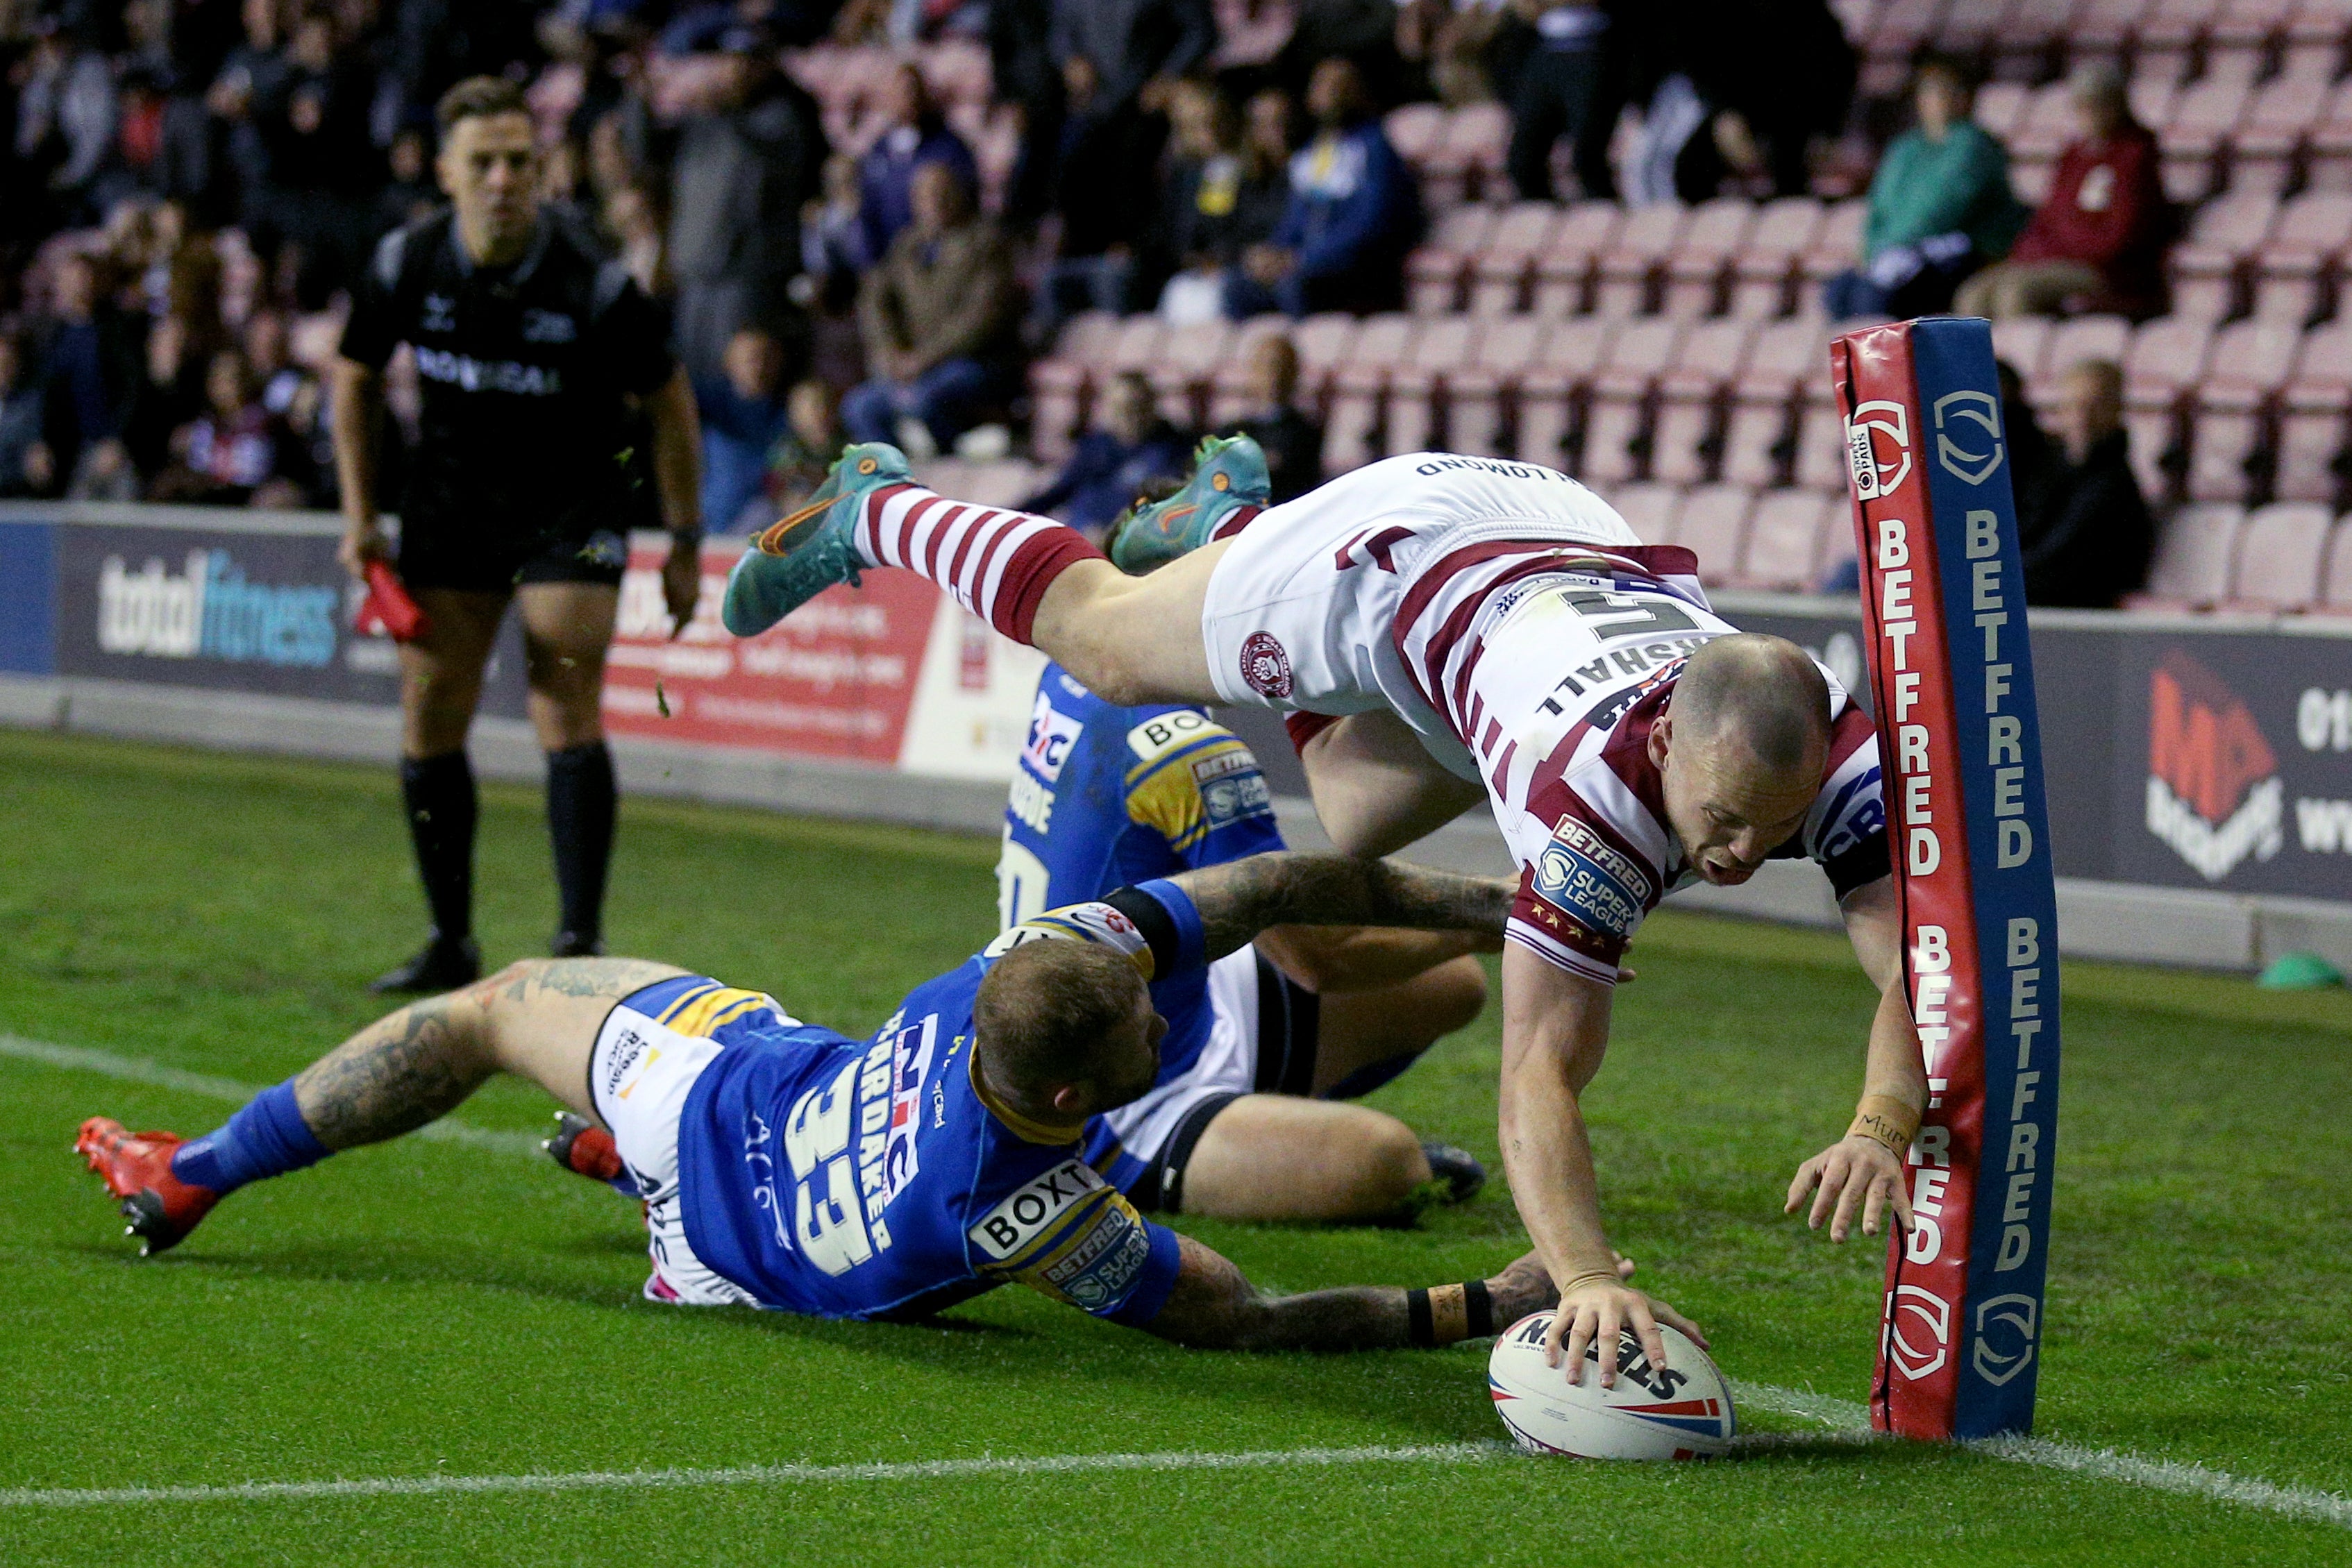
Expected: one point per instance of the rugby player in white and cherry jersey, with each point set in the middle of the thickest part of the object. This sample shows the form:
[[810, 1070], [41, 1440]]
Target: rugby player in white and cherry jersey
[[1443, 628]]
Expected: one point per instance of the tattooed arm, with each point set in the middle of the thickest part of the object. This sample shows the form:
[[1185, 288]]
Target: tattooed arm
[[1288, 887], [1213, 1307]]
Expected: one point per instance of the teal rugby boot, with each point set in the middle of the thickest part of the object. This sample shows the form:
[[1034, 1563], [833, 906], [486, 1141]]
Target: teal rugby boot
[[1228, 473], [809, 548]]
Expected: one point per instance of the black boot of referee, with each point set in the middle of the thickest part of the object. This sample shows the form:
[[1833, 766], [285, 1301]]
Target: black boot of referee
[[439, 795], [443, 964]]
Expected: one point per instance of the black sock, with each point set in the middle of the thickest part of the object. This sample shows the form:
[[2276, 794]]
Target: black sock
[[581, 802], [439, 793]]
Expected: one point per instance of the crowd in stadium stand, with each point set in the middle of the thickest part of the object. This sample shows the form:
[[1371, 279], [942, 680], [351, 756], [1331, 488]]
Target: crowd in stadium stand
[[922, 221]]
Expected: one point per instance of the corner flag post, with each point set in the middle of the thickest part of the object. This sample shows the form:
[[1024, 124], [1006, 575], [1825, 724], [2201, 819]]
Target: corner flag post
[[1951, 672]]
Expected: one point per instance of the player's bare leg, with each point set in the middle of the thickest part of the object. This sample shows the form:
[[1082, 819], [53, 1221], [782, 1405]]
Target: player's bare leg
[[441, 671], [1279, 1156], [1131, 639], [1376, 788], [567, 629], [1362, 1033]]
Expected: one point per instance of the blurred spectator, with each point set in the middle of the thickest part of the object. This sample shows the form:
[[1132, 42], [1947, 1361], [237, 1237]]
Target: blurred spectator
[[1571, 84], [92, 363], [915, 135], [411, 194], [941, 316], [169, 395], [229, 454], [311, 115], [742, 416], [1100, 201], [1940, 207], [635, 220], [2088, 539], [1362, 31], [813, 438], [1133, 448], [744, 164], [1134, 50], [1223, 195], [1353, 213], [65, 119], [1292, 442], [1742, 88], [1459, 42], [25, 468], [833, 260], [1027, 78], [2097, 243]]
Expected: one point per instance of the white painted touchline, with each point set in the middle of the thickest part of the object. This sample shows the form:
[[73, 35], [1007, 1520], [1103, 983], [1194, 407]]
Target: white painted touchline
[[1843, 1417], [764, 1474], [157, 1074]]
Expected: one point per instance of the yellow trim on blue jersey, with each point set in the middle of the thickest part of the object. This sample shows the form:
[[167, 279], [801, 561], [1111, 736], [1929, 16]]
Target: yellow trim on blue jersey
[[1068, 1228], [1164, 793], [701, 1014], [1026, 1128]]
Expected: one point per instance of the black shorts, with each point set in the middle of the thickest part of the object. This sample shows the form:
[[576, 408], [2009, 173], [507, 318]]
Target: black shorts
[[1289, 1026], [472, 558]]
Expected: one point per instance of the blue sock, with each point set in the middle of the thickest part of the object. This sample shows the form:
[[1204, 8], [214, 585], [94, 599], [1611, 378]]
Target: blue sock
[[267, 1138]]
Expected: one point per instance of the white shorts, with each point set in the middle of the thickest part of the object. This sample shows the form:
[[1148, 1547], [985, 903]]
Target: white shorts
[[1300, 611], [1250, 1051], [638, 1076]]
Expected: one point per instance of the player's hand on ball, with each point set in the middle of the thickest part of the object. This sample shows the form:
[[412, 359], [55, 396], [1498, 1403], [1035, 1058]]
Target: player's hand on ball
[[1593, 1308], [682, 581], [1853, 1173]]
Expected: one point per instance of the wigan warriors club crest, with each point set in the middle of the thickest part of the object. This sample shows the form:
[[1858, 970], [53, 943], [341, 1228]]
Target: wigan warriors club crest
[[1266, 666]]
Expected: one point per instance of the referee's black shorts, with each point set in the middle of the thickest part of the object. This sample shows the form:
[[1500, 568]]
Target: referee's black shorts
[[477, 557]]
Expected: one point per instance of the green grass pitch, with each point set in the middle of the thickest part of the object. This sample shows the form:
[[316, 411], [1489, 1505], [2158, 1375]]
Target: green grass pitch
[[433, 1308]]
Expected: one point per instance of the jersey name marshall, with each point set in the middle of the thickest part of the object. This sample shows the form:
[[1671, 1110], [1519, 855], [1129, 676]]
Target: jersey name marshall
[[1548, 660]]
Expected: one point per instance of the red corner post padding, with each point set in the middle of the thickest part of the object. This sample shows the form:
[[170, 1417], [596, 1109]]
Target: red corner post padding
[[1952, 686]]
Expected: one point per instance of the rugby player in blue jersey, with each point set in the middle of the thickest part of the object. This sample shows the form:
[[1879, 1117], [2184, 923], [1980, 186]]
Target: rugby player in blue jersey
[[1249, 1118], [788, 1166]]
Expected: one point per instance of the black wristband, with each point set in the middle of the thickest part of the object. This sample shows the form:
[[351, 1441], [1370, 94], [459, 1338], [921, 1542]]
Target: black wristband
[[1481, 1309], [1418, 1331]]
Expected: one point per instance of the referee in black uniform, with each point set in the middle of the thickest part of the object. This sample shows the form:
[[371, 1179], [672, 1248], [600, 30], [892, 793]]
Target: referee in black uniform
[[533, 350]]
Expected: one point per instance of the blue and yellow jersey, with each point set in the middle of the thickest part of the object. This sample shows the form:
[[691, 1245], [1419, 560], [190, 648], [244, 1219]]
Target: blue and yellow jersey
[[881, 1179], [1108, 797]]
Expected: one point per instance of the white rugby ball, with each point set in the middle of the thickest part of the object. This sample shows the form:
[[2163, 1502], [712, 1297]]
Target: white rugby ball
[[1679, 1411]]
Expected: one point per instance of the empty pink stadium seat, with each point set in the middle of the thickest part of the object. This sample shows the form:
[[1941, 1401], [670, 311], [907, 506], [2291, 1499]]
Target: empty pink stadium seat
[[1821, 453], [2336, 581], [1564, 273], [1630, 269], [1712, 524], [1697, 269], [2193, 558], [2024, 342], [2072, 342], [2311, 423], [2328, 164], [1836, 246], [1550, 390], [2232, 406], [2302, 251], [1415, 130], [1507, 349], [1187, 364], [2046, 128], [1765, 271], [2000, 105], [1648, 509], [2212, 267], [1358, 389], [1691, 400], [2167, 354], [2282, 114], [1417, 386], [1787, 353], [1503, 274], [1437, 272], [2204, 119], [1784, 539], [2280, 555], [1617, 425]]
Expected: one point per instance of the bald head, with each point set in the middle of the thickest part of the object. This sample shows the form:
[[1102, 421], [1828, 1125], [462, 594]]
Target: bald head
[[1760, 696], [1739, 751]]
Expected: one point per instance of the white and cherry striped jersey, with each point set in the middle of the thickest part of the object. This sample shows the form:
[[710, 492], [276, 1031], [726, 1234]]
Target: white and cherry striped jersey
[[1510, 617]]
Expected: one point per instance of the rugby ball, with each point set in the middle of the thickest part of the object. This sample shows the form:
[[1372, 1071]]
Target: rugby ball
[[1679, 1411]]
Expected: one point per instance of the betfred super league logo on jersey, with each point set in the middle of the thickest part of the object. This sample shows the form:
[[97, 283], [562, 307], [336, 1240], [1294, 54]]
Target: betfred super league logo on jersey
[[2213, 790]]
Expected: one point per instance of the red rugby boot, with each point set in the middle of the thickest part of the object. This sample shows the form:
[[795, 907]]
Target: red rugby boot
[[137, 1168]]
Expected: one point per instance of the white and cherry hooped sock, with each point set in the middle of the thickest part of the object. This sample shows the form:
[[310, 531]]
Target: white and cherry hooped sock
[[997, 562]]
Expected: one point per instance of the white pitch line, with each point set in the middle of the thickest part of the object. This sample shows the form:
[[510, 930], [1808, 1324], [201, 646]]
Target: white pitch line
[[159, 1075], [1846, 1418], [1843, 1417], [740, 1475]]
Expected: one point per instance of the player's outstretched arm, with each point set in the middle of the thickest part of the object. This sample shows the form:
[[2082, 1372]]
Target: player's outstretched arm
[[1863, 1171], [1214, 1307], [1555, 1032], [1290, 887]]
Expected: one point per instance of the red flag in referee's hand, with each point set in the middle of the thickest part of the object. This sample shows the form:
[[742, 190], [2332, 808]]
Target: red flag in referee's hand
[[388, 607]]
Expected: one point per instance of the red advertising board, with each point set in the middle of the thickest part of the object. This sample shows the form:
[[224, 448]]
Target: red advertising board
[[835, 679]]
